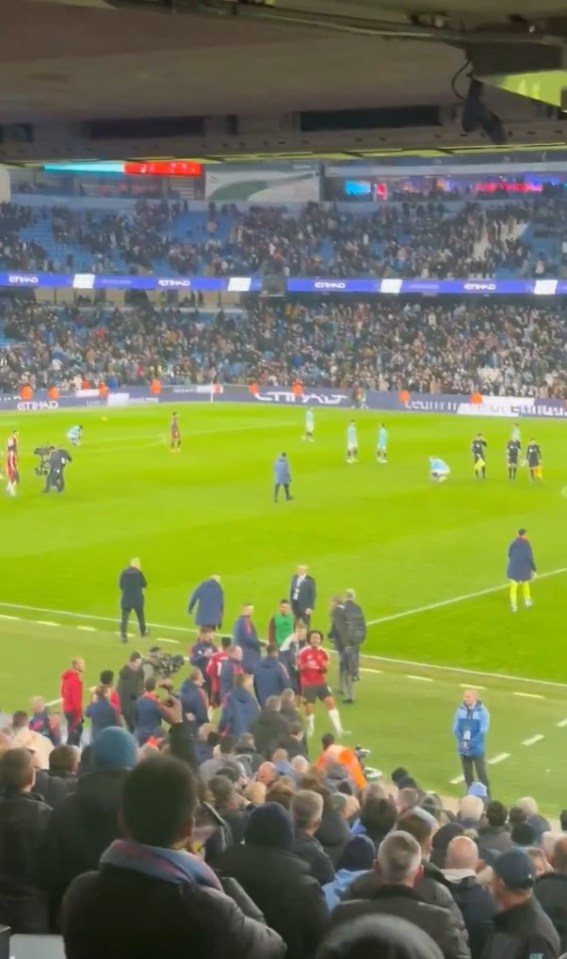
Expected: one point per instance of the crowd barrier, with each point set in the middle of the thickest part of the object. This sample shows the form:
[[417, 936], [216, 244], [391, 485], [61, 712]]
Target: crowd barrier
[[513, 407]]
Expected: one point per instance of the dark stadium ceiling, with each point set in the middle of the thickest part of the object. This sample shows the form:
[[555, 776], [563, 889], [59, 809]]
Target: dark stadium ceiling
[[92, 59]]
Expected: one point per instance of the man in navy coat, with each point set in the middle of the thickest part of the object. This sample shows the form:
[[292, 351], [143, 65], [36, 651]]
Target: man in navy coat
[[282, 477], [245, 635], [208, 597], [521, 569], [302, 593]]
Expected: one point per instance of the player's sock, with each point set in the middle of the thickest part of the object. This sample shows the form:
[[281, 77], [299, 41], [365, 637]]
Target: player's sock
[[310, 725], [527, 594], [513, 596], [335, 718]]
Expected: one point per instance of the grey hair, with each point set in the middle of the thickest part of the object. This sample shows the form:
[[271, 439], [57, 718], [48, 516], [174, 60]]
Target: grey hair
[[307, 808], [399, 857]]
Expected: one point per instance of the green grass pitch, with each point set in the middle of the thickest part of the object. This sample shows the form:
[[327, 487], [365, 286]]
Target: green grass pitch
[[403, 543]]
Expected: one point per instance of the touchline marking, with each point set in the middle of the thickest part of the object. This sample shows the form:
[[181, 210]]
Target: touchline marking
[[468, 686], [88, 629], [366, 669], [5, 616], [420, 679], [98, 619], [454, 600], [46, 622], [457, 780], [529, 695], [498, 759], [177, 642], [533, 740], [562, 723]]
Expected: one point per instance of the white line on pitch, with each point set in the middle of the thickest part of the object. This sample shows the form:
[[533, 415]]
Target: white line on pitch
[[88, 629], [499, 758], [471, 685], [46, 622], [533, 740], [420, 679], [529, 695], [177, 642], [453, 601], [366, 669], [457, 780], [3, 616], [562, 723], [98, 619]]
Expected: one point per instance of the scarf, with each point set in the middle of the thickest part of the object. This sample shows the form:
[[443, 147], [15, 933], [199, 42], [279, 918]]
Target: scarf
[[169, 865]]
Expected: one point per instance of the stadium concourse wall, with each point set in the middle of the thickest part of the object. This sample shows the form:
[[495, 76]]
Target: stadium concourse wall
[[513, 407]]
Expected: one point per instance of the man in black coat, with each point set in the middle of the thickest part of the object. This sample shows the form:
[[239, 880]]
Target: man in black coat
[[132, 584], [302, 595], [307, 812], [87, 821], [521, 929], [278, 881], [153, 898], [130, 687], [551, 891], [57, 782], [24, 818], [473, 899], [495, 837], [399, 866], [270, 730]]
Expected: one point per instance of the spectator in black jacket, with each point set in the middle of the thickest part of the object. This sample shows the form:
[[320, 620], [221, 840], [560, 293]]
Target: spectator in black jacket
[[24, 817], [521, 929], [551, 890], [85, 823], [399, 866], [278, 881], [152, 897], [333, 833], [228, 804], [307, 811], [61, 777], [473, 899], [130, 687], [270, 729], [370, 937], [495, 837], [132, 584]]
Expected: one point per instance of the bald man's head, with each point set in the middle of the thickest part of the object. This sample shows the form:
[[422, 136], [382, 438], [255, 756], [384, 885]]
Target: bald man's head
[[462, 853]]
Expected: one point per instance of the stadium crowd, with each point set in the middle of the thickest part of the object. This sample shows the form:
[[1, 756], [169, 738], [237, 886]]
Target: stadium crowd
[[498, 346], [169, 831], [520, 236]]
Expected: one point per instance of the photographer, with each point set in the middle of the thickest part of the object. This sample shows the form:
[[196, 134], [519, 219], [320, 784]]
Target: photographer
[[58, 459]]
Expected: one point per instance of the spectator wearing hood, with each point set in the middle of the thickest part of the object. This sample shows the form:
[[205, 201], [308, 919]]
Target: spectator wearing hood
[[395, 893], [473, 899], [130, 687], [270, 729], [278, 881], [245, 635], [208, 598], [356, 858], [270, 676], [24, 819], [87, 821], [521, 928], [370, 937], [551, 891], [153, 895], [239, 709]]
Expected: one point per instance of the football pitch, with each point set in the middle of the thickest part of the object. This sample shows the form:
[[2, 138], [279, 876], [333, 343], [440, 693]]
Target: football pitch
[[427, 562]]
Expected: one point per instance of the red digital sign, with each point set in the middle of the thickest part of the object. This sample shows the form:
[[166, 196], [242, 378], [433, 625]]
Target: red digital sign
[[187, 168]]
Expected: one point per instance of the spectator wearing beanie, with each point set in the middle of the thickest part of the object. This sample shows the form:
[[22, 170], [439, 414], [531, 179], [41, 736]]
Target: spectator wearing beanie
[[523, 835], [277, 880], [356, 858], [495, 837], [521, 929], [378, 937], [85, 823], [151, 896]]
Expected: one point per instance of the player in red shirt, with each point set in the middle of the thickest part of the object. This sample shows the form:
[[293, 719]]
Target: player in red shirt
[[12, 471], [312, 665], [174, 434]]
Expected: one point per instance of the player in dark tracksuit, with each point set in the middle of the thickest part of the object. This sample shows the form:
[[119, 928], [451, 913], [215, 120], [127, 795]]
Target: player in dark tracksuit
[[521, 569], [533, 456], [478, 450], [513, 448]]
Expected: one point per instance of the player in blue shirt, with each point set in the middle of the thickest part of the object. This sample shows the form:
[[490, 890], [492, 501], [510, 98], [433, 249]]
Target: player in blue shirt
[[516, 436], [382, 446], [351, 443], [438, 469], [74, 435], [309, 424]]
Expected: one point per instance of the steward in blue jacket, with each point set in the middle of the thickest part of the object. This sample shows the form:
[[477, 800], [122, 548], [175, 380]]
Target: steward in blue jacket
[[470, 726], [208, 597], [194, 700], [245, 636], [270, 676], [239, 710]]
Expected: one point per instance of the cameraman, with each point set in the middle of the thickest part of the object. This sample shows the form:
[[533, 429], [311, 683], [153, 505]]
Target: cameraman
[[58, 459]]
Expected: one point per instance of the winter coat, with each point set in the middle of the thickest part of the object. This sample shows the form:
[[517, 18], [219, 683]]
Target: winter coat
[[334, 891], [470, 727], [523, 932], [194, 702], [239, 711], [24, 819], [72, 694], [311, 851], [208, 597], [129, 688], [270, 731], [333, 834], [280, 885], [492, 841], [245, 635], [270, 678], [53, 788], [282, 473], [477, 907], [551, 893]]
